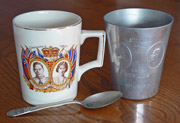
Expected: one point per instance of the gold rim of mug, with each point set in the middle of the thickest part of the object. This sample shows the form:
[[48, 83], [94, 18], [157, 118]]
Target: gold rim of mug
[[47, 29]]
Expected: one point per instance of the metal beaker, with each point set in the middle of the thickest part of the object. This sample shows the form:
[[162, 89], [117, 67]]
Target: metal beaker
[[137, 42]]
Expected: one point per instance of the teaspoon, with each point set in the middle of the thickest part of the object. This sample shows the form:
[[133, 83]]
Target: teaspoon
[[92, 102]]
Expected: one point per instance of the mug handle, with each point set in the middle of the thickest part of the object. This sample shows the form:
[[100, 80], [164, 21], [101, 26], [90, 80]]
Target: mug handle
[[101, 48]]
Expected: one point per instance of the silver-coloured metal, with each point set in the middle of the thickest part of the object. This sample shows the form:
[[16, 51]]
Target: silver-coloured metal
[[137, 41], [98, 100]]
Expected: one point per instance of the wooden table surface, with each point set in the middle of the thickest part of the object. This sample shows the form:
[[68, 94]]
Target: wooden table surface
[[162, 108]]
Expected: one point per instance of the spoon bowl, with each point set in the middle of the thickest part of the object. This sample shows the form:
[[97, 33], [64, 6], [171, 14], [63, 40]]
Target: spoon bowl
[[100, 100]]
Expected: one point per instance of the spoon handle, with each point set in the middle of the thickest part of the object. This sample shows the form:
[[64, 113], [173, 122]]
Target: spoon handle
[[26, 110]]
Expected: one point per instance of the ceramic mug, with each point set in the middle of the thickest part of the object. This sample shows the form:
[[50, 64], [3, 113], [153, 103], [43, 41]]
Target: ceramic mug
[[48, 51]]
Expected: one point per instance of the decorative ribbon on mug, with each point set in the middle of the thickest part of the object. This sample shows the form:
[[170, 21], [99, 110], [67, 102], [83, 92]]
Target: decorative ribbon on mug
[[49, 69]]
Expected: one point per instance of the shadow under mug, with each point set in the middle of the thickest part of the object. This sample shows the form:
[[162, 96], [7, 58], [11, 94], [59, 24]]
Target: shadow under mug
[[48, 51]]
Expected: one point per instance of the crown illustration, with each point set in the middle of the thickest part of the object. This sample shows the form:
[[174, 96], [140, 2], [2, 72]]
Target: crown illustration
[[50, 52]]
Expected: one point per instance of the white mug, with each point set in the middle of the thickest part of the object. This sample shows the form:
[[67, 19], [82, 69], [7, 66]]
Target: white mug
[[48, 50]]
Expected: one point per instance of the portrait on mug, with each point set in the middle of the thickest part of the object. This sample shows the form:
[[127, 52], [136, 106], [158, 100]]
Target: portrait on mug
[[49, 69], [39, 71], [61, 72]]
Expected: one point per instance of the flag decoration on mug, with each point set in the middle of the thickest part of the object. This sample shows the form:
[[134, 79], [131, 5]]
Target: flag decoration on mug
[[49, 69]]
